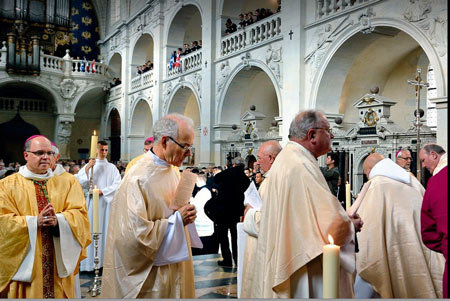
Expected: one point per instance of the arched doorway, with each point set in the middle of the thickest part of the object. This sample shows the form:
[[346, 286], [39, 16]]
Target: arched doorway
[[141, 127], [142, 53], [186, 27], [26, 109], [386, 58], [87, 118], [113, 133], [184, 102]]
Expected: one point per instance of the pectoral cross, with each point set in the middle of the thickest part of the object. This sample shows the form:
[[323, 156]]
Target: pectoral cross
[[290, 34], [418, 83]]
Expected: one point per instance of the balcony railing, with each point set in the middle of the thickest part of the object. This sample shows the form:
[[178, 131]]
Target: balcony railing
[[141, 81], [190, 62], [115, 93], [326, 8], [264, 30], [66, 66]]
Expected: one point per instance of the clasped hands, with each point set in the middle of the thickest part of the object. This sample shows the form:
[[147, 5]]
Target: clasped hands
[[357, 221], [188, 214], [47, 217]]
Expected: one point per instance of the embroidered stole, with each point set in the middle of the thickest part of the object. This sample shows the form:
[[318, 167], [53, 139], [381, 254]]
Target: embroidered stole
[[47, 243]]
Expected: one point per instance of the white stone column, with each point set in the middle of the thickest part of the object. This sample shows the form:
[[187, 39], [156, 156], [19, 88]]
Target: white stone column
[[292, 92], [125, 108], [442, 121], [63, 131], [207, 90], [159, 62]]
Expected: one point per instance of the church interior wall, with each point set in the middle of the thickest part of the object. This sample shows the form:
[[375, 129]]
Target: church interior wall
[[185, 103], [184, 27], [115, 65], [386, 62], [87, 118], [399, 90], [140, 128]]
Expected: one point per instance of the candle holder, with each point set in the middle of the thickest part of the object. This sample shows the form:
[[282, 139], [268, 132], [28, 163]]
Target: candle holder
[[95, 289]]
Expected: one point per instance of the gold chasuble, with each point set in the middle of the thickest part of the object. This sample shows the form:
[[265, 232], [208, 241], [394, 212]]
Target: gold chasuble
[[20, 199], [392, 256], [137, 226], [297, 214], [132, 162]]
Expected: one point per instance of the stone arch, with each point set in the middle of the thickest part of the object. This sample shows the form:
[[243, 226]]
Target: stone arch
[[185, 26], [141, 51], [184, 100], [115, 64], [113, 133], [175, 89], [251, 64], [56, 97], [88, 108], [140, 126], [28, 108], [414, 33]]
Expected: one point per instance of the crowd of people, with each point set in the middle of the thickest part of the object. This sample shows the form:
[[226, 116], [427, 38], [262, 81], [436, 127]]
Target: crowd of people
[[116, 82], [144, 68], [175, 57], [248, 18], [151, 213]]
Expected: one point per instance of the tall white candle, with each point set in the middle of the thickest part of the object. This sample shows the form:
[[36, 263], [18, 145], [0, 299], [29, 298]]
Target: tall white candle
[[95, 198], [94, 142], [348, 196], [331, 265]]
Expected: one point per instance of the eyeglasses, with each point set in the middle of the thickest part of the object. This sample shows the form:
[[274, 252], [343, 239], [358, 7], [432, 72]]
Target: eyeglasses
[[41, 153], [184, 147], [329, 130], [405, 158]]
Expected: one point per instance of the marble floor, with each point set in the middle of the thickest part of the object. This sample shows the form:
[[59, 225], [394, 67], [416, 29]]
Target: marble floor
[[211, 281]]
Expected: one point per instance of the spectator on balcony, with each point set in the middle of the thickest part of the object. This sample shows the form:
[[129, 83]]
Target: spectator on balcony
[[196, 46], [200, 44], [230, 27], [248, 19], [269, 12], [172, 60], [186, 49], [138, 70], [241, 21], [117, 82], [178, 59], [258, 15]]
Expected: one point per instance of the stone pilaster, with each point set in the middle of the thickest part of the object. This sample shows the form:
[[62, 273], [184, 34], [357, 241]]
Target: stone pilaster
[[63, 131]]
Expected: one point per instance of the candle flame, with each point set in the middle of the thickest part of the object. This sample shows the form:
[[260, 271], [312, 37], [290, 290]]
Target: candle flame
[[330, 239], [95, 186], [94, 133]]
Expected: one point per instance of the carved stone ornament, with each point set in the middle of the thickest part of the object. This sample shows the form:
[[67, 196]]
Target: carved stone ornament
[[365, 21], [198, 83], [167, 90], [68, 88], [224, 73], [245, 57], [273, 60], [417, 10]]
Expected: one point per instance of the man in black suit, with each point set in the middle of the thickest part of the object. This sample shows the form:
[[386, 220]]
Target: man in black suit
[[231, 185]]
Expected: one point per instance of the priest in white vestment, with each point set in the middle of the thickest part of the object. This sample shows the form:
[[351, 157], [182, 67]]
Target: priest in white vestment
[[148, 251], [298, 213], [267, 153], [392, 259], [107, 179]]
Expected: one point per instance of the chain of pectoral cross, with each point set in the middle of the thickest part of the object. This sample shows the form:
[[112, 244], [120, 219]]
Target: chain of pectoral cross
[[418, 83]]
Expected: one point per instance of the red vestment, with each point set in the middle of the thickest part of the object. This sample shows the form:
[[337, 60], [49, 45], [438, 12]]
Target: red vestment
[[434, 218]]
